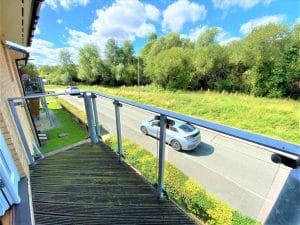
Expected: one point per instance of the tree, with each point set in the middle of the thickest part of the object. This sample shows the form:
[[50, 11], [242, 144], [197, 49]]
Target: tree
[[146, 49], [211, 68], [90, 64], [292, 62], [30, 69], [238, 78], [263, 51], [68, 68], [171, 68], [167, 42], [207, 38], [112, 51], [128, 51]]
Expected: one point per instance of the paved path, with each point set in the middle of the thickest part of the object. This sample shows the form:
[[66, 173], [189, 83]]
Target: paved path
[[239, 173]]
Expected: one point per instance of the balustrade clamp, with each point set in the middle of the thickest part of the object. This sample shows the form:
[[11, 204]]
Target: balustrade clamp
[[18, 104], [117, 105], [281, 159]]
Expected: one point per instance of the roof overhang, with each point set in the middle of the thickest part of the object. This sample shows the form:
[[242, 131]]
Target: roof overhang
[[19, 19]]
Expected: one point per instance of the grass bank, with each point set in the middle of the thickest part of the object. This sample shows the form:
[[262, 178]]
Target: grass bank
[[277, 118], [68, 125]]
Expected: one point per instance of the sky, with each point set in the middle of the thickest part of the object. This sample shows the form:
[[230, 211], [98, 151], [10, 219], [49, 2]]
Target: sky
[[69, 24]]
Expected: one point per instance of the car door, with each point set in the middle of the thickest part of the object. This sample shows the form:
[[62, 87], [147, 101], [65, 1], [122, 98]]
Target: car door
[[171, 133], [9, 178], [154, 128]]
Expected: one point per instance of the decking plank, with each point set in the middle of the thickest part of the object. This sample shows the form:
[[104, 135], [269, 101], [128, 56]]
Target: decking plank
[[87, 185]]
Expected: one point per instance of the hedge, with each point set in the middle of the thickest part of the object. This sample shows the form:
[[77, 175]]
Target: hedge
[[185, 191], [79, 114]]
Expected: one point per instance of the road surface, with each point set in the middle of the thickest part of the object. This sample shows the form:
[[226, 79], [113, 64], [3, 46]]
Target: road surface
[[239, 173]]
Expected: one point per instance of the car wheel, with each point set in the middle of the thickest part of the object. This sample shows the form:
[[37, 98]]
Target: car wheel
[[144, 130], [176, 145]]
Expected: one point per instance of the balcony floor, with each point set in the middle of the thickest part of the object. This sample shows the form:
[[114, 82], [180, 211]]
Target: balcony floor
[[87, 185]]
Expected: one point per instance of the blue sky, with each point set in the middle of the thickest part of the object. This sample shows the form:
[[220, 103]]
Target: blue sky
[[73, 23]]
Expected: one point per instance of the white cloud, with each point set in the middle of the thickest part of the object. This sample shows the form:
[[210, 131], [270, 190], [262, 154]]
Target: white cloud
[[152, 12], [181, 12], [247, 28], [227, 41], [59, 21], [78, 38], [223, 37], [66, 4], [245, 4], [196, 32], [43, 52], [124, 19]]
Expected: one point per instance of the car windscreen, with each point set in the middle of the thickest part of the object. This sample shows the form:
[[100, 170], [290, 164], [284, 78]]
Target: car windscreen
[[74, 88], [187, 127]]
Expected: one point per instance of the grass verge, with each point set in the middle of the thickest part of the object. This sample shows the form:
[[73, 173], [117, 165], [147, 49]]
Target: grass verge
[[68, 125], [277, 118]]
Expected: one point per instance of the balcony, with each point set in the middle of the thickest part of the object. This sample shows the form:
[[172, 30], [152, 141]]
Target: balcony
[[87, 185], [90, 184]]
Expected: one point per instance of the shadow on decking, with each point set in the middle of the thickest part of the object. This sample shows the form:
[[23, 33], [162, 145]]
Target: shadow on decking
[[87, 185]]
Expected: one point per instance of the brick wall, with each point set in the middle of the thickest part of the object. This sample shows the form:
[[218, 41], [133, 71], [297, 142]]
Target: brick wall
[[10, 87]]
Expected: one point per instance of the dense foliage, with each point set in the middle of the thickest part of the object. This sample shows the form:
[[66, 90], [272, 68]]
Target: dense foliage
[[264, 63]]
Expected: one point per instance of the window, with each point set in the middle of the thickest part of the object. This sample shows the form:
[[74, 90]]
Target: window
[[155, 123], [187, 127], [173, 129]]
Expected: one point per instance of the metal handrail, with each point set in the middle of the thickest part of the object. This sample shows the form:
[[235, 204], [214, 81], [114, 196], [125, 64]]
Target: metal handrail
[[286, 153], [281, 146], [268, 142]]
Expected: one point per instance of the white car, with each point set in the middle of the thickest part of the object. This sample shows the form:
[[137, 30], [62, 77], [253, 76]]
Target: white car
[[180, 135], [72, 90]]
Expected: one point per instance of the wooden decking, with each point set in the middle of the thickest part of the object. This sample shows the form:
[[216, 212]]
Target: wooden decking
[[87, 185]]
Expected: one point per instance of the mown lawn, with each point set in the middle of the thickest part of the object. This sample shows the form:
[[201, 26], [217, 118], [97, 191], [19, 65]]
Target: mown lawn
[[277, 118], [68, 125]]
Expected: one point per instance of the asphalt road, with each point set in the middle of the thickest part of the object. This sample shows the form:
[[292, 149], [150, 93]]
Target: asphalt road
[[239, 173]]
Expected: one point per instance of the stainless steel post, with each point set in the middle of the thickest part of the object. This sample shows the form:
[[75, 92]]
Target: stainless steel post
[[90, 117], [98, 131], [20, 130], [161, 157], [118, 126]]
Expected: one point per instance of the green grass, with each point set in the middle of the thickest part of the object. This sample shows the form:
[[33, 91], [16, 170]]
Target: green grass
[[277, 118], [68, 125]]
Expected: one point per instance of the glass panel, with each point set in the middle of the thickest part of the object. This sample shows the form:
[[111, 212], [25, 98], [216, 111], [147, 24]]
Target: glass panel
[[133, 122], [53, 121], [238, 173]]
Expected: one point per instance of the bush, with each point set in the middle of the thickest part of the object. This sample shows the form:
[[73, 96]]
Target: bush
[[239, 219], [180, 188]]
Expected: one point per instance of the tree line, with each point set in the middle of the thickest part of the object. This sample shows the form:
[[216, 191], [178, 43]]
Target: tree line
[[264, 63]]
